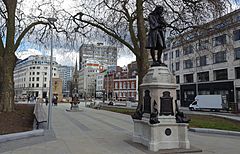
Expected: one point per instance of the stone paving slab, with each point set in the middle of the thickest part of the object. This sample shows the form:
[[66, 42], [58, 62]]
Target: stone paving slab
[[103, 132]]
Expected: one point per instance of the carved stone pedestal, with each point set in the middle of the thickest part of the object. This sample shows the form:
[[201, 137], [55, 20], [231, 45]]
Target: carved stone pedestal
[[158, 128], [161, 136]]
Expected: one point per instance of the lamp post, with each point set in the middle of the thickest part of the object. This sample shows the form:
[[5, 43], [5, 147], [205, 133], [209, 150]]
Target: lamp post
[[49, 122]]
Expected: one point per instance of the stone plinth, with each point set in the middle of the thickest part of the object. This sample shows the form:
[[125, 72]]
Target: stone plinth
[[158, 128], [161, 135], [158, 80]]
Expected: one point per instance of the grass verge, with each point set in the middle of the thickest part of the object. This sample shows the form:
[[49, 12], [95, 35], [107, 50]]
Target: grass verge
[[197, 121]]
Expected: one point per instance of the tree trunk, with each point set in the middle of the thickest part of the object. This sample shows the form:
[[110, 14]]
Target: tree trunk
[[7, 64], [142, 59]]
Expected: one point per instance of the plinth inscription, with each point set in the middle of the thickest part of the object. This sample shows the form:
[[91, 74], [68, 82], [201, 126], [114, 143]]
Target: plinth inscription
[[166, 107]]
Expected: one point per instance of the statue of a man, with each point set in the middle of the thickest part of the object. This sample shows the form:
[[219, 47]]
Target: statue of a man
[[156, 34]]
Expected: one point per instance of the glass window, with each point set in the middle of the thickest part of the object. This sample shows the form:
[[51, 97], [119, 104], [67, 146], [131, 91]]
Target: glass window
[[33, 78], [37, 85], [237, 53], [33, 73], [237, 72], [116, 85], [37, 79], [202, 45], [38, 73], [177, 53], [32, 84], [236, 35], [177, 66], [188, 63], [220, 40], [29, 78], [188, 78], [203, 76], [220, 74], [201, 61], [188, 50], [177, 79], [219, 57], [165, 57]]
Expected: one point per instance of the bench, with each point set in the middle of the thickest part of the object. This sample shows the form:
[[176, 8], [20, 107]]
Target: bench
[[39, 113]]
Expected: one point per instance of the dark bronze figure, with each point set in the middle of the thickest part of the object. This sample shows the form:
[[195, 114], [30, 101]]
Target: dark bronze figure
[[138, 114], [180, 117], [156, 40], [154, 115], [147, 102]]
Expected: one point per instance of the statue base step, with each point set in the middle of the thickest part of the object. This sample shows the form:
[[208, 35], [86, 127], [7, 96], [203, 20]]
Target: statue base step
[[161, 135]]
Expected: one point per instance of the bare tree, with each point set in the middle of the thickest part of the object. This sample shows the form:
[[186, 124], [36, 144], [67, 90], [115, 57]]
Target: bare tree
[[125, 20], [13, 29]]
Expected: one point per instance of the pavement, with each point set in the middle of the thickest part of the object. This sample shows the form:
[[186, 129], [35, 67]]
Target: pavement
[[102, 132]]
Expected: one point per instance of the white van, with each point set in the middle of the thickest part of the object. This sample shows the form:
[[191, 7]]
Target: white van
[[212, 102]]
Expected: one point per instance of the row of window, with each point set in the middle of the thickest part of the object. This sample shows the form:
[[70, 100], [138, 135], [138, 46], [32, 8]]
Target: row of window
[[37, 85], [203, 45], [204, 76], [38, 67], [125, 94], [124, 85], [37, 79], [218, 57]]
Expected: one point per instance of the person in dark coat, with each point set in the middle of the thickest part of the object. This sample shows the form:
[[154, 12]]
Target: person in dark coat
[[156, 40]]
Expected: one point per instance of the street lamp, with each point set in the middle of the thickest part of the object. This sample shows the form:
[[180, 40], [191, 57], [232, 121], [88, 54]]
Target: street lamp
[[49, 122]]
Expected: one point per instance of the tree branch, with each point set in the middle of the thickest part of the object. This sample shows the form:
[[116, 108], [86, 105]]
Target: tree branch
[[103, 29], [19, 39]]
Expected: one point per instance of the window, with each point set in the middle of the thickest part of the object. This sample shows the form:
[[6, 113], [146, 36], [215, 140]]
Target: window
[[188, 50], [219, 57], [120, 85], [45, 73], [30, 73], [177, 79], [116, 85], [37, 79], [220, 74], [33, 73], [45, 79], [201, 61], [37, 85], [236, 35], [177, 53], [203, 76], [237, 53], [165, 57], [202, 45], [237, 72], [133, 85], [177, 66], [38, 73], [45, 85], [33, 78], [29, 78], [219, 40], [171, 55], [38, 67], [188, 63], [188, 78], [32, 84]]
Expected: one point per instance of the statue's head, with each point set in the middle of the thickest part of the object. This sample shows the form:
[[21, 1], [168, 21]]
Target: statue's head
[[159, 9]]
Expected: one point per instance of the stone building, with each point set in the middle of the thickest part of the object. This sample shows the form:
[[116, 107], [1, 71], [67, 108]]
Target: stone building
[[32, 76], [207, 60]]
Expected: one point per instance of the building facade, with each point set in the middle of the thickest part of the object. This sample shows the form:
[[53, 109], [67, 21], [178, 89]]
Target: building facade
[[66, 74], [105, 55], [32, 76], [87, 79], [207, 60]]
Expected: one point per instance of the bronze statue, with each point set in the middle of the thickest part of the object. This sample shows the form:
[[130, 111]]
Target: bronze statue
[[156, 34]]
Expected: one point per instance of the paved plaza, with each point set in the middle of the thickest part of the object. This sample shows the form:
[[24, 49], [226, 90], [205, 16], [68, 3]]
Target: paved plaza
[[101, 132]]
